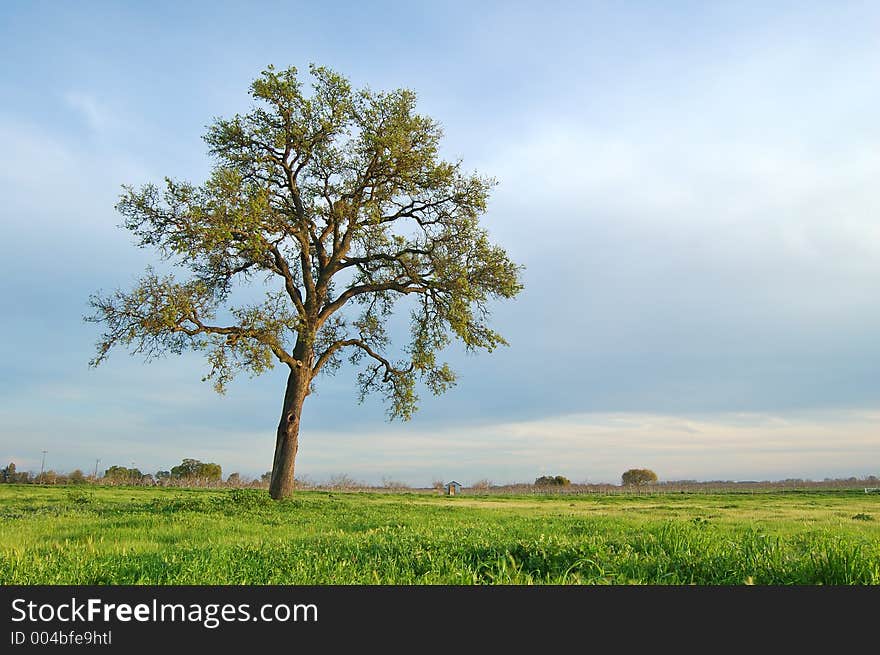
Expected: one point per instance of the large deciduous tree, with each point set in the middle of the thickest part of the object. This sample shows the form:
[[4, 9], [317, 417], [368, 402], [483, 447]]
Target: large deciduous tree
[[638, 477], [339, 200]]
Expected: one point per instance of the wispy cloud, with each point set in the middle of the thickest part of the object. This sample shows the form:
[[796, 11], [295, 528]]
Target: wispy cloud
[[96, 114]]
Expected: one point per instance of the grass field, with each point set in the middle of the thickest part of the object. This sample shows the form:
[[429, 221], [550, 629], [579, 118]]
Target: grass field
[[98, 535]]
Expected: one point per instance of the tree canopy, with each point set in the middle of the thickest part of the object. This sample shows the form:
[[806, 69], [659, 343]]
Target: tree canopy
[[341, 197]]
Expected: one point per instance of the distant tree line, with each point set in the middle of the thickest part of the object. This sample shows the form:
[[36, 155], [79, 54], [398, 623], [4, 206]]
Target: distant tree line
[[188, 472], [11, 475], [192, 472]]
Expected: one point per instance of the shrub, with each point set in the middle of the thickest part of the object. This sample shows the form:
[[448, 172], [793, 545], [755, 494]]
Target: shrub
[[79, 497]]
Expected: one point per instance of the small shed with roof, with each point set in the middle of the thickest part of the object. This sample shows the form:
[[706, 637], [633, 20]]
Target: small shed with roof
[[453, 488]]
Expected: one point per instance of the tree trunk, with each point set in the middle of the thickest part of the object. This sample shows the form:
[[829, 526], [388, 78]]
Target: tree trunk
[[286, 443]]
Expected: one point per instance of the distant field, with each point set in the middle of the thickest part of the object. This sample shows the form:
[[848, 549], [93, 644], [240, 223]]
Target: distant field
[[99, 535]]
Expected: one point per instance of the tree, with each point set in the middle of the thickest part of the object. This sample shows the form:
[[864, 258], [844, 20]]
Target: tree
[[122, 475], [8, 473], [340, 202], [638, 477], [552, 481], [52, 477], [193, 469], [186, 469]]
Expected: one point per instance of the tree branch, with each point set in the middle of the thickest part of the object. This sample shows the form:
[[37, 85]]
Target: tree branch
[[238, 331], [355, 261], [289, 284], [359, 343], [360, 289]]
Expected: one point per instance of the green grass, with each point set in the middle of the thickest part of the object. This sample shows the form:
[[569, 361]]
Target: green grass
[[103, 535]]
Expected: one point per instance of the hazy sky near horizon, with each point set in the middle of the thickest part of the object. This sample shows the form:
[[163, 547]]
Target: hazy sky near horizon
[[693, 189]]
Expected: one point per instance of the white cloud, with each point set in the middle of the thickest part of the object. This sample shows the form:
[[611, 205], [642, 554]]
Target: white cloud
[[594, 447], [599, 447]]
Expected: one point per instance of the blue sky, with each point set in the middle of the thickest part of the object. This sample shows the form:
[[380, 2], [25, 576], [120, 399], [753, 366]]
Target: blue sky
[[692, 188]]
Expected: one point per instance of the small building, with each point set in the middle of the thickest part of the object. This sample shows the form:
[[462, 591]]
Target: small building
[[453, 488]]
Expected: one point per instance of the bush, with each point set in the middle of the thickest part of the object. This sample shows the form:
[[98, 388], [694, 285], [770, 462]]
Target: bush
[[79, 497]]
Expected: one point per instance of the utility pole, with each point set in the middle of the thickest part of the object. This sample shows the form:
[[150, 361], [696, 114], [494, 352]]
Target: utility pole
[[43, 465], [97, 461]]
